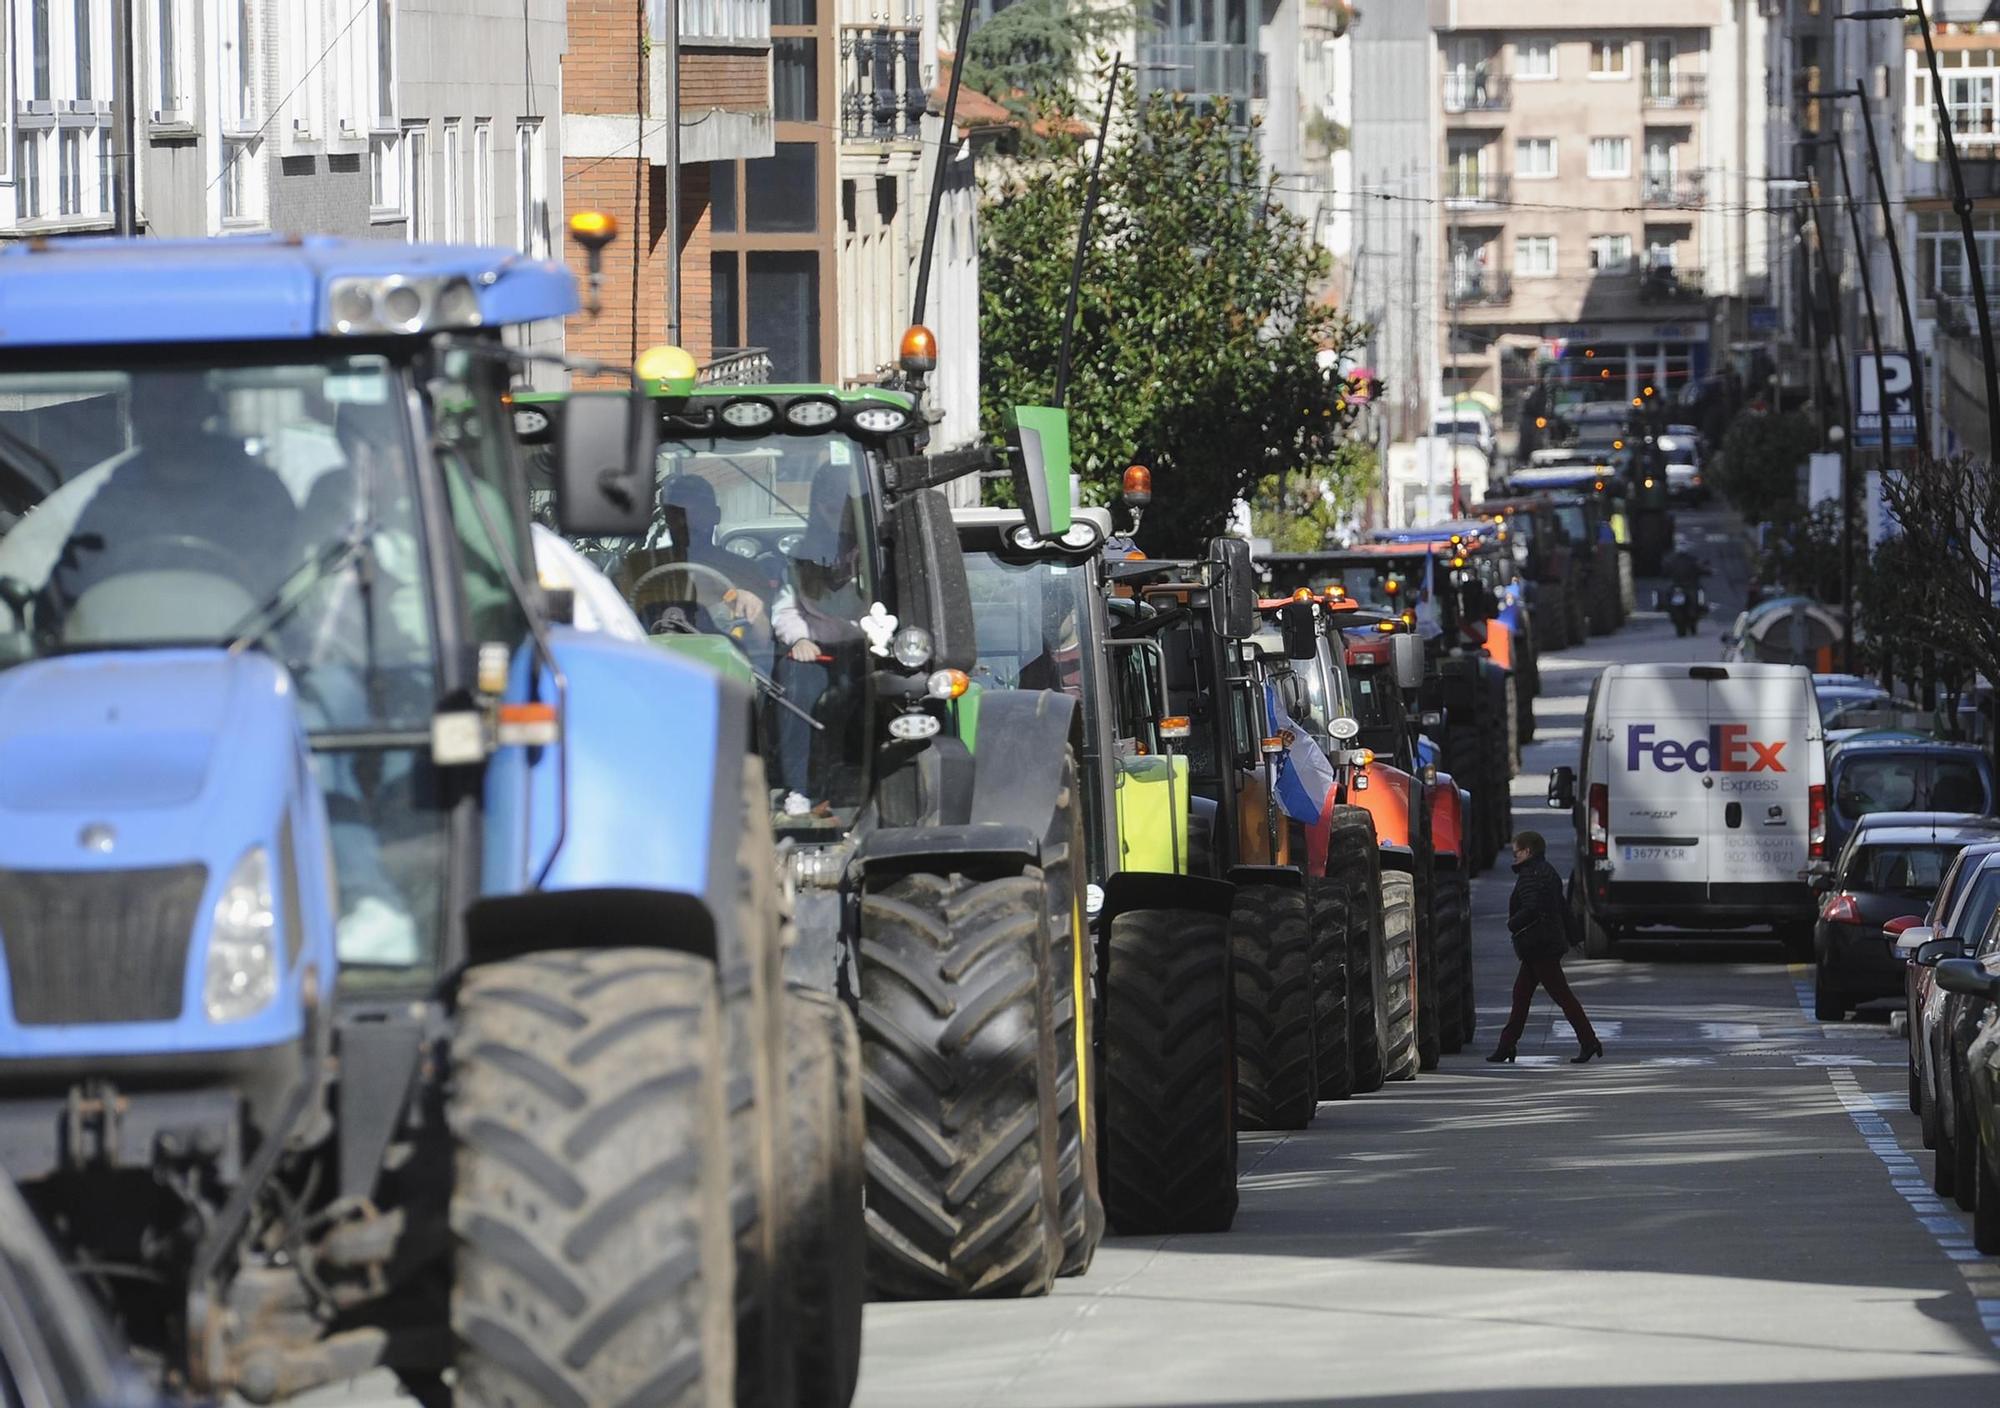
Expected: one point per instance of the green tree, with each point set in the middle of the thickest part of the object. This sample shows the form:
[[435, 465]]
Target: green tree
[[1762, 454], [1198, 344], [1302, 512], [1035, 49]]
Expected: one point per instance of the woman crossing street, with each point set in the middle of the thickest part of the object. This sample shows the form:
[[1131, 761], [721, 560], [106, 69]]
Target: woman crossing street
[[1537, 918]]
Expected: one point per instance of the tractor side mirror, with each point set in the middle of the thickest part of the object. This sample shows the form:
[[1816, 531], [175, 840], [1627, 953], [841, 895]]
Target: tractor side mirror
[[1232, 593], [1038, 445], [603, 469], [1562, 788], [1967, 976], [1300, 629], [1406, 653], [930, 576]]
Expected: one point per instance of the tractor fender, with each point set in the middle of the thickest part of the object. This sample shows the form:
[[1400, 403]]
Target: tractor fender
[[1131, 890], [1283, 876], [1396, 856], [948, 848], [629, 824], [1387, 799], [1448, 820], [1018, 763]]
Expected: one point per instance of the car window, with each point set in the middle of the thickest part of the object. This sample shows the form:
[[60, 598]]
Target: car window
[[1899, 870], [1989, 937], [1956, 786], [1981, 897], [1886, 784]]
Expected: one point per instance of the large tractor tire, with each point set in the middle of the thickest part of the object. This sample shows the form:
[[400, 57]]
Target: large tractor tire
[[1552, 615], [958, 1059], [1352, 855], [1277, 1076], [1508, 720], [1399, 971], [1082, 1205], [1327, 898], [1430, 1014], [591, 1205], [1464, 758], [1603, 603], [1168, 1140], [825, 1249], [1579, 614], [1448, 915]]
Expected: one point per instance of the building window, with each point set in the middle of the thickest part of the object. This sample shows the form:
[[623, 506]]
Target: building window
[[236, 74], [733, 21], [417, 181], [173, 85], [781, 192], [782, 309], [795, 80], [1535, 158], [385, 175], [385, 63], [722, 197], [1609, 59], [298, 87], [58, 126], [1610, 157], [723, 304], [1611, 254], [482, 180], [453, 216], [1535, 256], [1534, 60], [1941, 253], [237, 182], [531, 175], [1660, 70], [40, 45], [28, 174], [1970, 101]]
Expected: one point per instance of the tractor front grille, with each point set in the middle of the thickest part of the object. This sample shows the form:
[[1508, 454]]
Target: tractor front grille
[[98, 946]]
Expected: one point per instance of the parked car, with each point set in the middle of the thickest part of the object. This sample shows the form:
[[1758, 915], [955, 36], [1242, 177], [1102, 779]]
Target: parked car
[[1686, 483], [1890, 867], [1868, 774], [1975, 982], [1955, 925]]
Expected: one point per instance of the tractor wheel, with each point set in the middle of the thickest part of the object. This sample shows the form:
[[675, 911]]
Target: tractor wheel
[[1468, 999], [958, 1060], [1430, 958], [1270, 940], [824, 1256], [1082, 1207], [1525, 732], [1507, 720], [1351, 854], [1603, 604], [1580, 630], [1552, 620], [1399, 933], [1168, 1103], [1327, 898], [591, 1204], [1454, 961], [1464, 760]]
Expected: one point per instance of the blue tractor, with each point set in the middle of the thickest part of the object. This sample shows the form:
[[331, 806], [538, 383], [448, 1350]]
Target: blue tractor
[[392, 972]]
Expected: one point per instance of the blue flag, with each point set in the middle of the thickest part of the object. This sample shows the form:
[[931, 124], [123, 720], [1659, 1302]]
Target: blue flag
[[1306, 778]]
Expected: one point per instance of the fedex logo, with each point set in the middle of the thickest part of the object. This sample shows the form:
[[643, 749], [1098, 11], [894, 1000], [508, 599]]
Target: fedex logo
[[1728, 748]]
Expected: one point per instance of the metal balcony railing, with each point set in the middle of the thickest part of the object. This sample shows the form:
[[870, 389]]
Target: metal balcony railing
[[736, 366], [1671, 284], [1475, 187], [1674, 90], [1670, 189], [1481, 290], [882, 88], [1476, 92]]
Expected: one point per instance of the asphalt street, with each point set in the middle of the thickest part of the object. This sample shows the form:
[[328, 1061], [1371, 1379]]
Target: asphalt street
[[1731, 1209]]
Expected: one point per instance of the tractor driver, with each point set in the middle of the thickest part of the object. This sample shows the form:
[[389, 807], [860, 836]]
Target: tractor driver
[[186, 498]]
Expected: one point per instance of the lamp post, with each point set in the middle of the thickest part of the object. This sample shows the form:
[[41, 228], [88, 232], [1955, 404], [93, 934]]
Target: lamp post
[[1963, 205], [1832, 139], [1896, 268], [1841, 441]]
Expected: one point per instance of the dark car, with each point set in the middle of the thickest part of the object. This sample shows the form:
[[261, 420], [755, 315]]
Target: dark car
[[1947, 1021], [1975, 983], [1890, 867], [1869, 774], [1965, 900]]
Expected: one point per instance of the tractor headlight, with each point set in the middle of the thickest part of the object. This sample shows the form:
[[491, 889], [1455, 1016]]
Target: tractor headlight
[[911, 647], [880, 420], [242, 943]]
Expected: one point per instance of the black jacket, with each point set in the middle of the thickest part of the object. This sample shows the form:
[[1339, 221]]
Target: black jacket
[[1536, 912]]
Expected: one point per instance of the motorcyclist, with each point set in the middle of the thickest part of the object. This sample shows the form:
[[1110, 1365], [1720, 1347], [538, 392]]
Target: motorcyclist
[[1684, 571]]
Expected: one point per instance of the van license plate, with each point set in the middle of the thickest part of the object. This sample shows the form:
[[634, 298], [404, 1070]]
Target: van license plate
[[1657, 852]]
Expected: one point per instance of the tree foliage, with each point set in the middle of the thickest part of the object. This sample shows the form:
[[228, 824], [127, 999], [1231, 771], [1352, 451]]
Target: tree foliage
[[1035, 49], [1303, 513], [1943, 569], [1762, 454], [1198, 341]]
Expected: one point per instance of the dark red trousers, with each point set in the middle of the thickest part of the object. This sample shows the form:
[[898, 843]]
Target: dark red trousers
[[1548, 972]]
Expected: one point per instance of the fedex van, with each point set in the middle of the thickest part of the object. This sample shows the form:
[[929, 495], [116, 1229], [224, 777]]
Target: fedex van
[[1701, 802]]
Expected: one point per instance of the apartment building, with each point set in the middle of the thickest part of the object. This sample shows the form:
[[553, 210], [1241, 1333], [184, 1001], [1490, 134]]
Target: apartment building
[[1598, 166]]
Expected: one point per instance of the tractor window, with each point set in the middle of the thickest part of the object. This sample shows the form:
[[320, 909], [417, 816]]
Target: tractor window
[[767, 542], [475, 441], [1575, 524], [1025, 614], [1133, 696], [269, 505]]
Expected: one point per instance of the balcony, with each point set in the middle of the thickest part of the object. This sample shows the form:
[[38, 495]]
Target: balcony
[[882, 87], [1464, 188], [1476, 93], [736, 366], [1674, 90], [1672, 284], [1483, 290], [1666, 189]]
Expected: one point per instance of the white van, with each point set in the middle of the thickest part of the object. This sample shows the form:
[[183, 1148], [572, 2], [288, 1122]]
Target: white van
[[1701, 802]]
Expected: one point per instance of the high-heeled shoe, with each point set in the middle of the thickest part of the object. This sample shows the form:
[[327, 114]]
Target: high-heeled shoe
[[1505, 1053], [1582, 1058]]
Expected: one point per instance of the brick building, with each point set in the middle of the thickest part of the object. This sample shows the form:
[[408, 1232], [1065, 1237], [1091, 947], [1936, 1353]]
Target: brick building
[[615, 149]]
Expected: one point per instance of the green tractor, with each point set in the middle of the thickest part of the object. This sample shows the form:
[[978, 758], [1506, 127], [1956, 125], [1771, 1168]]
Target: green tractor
[[1156, 1043], [800, 541]]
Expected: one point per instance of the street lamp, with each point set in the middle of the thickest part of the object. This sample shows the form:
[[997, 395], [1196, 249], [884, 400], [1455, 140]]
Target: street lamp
[[1839, 443], [1962, 204], [1862, 260]]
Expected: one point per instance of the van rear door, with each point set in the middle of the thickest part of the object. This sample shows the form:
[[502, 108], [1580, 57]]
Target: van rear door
[[1657, 806], [1760, 768]]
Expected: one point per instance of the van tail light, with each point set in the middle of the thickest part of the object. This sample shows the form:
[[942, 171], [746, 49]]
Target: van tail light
[[1816, 821], [1600, 821], [1841, 909]]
